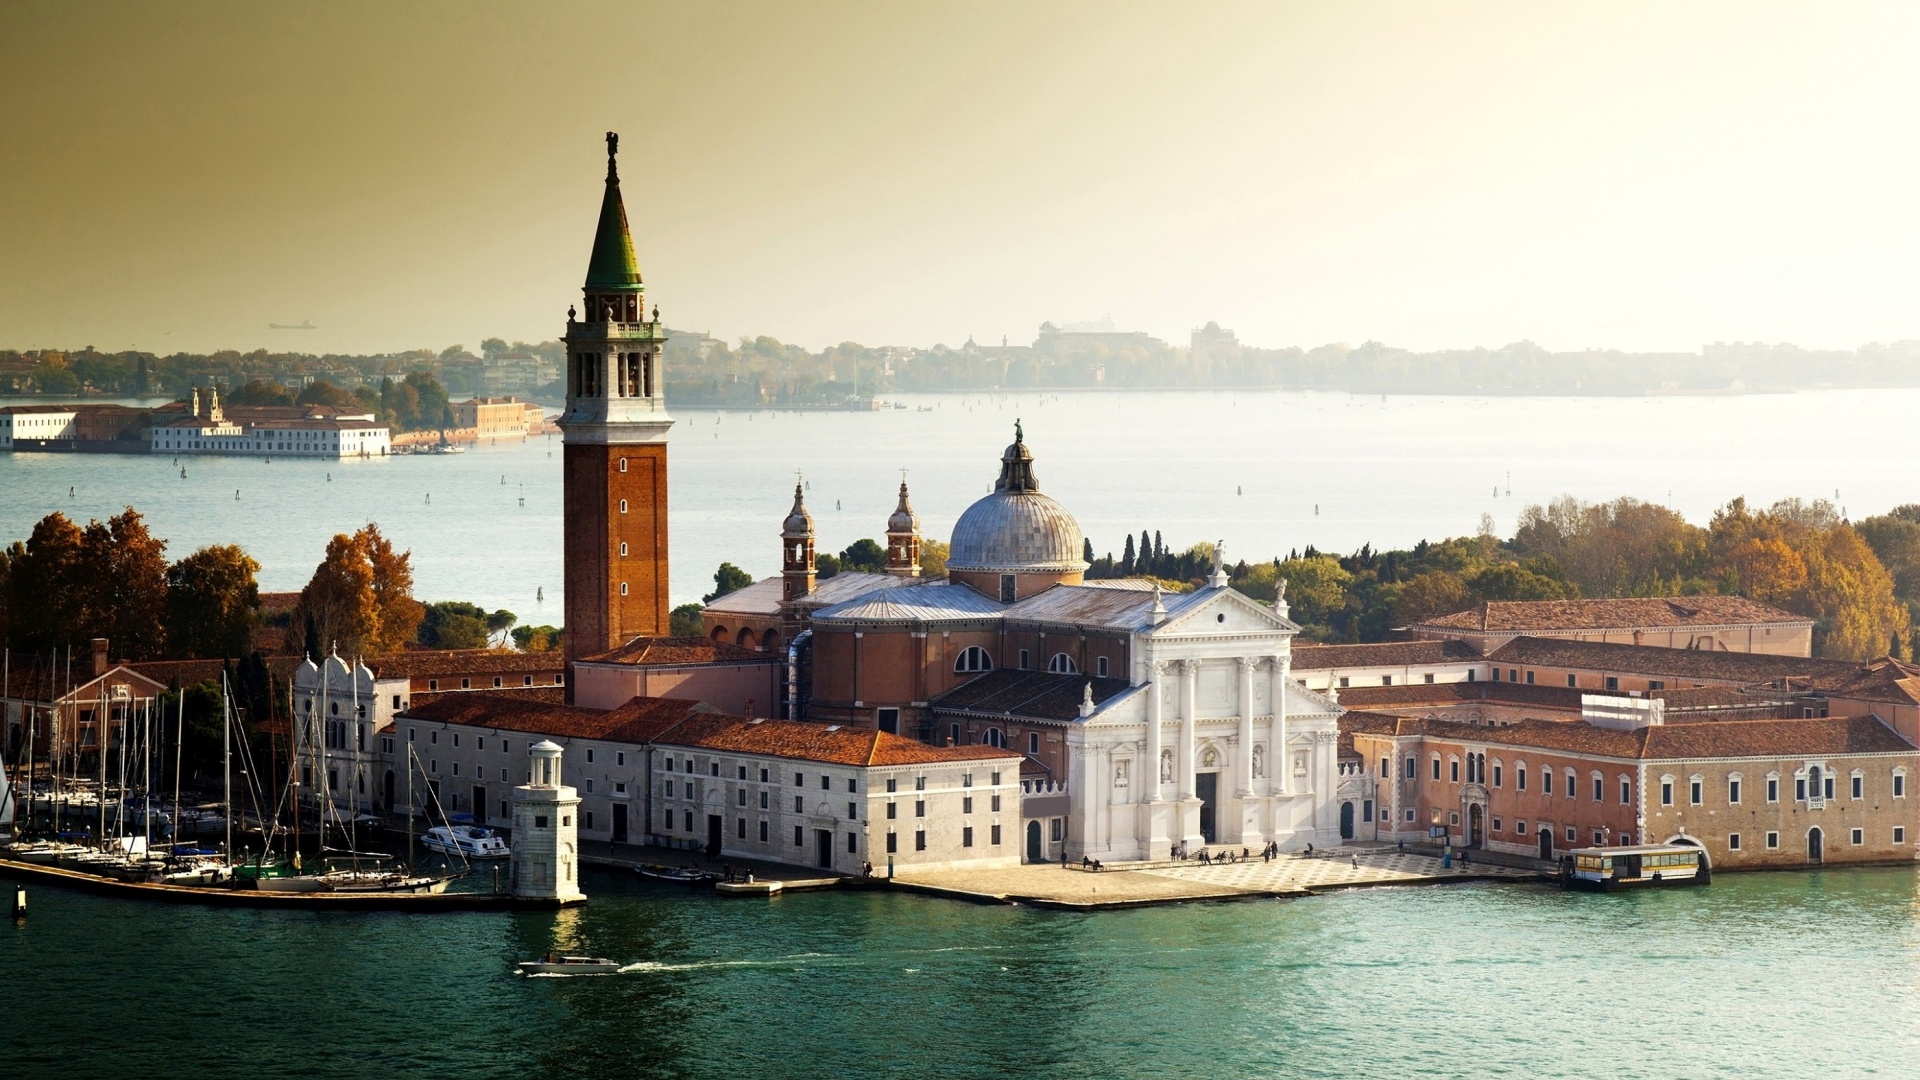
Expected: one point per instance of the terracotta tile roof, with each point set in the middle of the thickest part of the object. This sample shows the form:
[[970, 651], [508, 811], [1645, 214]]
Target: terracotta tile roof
[[1885, 679], [276, 603], [1625, 613], [440, 662], [638, 721], [1658, 662], [1448, 694], [1028, 694], [832, 744], [190, 672], [667, 651], [1674, 742], [1383, 654], [555, 695]]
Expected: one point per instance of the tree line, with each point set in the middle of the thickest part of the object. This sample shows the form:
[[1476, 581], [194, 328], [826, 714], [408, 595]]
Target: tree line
[[1858, 582]]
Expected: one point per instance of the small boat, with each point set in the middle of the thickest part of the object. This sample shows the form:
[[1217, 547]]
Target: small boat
[[569, 965], [685, 875], [1603, 869], [43, 852], [381, 881], [470, 840]]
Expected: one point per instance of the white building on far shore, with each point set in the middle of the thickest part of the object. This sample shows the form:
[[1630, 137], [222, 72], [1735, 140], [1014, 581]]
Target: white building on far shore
[[206, 428]]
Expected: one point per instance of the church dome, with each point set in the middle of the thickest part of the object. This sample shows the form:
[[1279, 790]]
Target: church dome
[[1017, 528]]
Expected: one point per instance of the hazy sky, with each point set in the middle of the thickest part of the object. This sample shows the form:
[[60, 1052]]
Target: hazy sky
[[1648, 176]]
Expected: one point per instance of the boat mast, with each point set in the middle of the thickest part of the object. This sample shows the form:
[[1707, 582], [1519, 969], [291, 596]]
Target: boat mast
[[179, 741], [100, 751], [146, 770], [226, 762]]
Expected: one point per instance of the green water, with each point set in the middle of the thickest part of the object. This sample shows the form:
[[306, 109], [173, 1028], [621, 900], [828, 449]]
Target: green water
[[1757, 975]]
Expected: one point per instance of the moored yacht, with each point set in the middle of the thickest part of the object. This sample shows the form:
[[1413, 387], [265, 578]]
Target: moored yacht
[[472, 841]]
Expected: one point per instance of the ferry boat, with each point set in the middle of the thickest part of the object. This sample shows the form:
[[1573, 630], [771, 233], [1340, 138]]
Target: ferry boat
[[470, 840], [685, 875], [1603, 869]]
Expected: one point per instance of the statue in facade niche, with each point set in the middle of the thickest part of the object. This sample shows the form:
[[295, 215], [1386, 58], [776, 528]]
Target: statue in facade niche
[[1259, 761], [1166, 766]]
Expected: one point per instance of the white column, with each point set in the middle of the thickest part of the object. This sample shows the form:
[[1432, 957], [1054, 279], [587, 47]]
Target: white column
[[1243, 761], [1190, 670], [1156, 695], [1278, 753]]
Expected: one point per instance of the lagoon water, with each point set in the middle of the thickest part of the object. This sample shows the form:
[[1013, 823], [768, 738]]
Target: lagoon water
[[1266, 471], [1757, 975]]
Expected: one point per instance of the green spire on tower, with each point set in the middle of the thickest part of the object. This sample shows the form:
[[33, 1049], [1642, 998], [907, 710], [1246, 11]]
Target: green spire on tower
[[613, 265]]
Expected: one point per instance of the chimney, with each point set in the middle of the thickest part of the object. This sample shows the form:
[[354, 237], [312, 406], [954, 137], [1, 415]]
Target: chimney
[[99, 657]]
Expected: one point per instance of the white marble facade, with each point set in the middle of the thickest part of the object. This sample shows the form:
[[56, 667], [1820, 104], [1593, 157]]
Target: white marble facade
[[1215, 745]]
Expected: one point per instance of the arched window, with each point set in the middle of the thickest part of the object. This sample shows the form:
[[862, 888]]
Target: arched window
[[1062, 664], [994, 738], [719, 633], [973, 658]]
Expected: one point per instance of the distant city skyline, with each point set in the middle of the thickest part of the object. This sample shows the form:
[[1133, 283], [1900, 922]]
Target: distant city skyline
[[411, 176]]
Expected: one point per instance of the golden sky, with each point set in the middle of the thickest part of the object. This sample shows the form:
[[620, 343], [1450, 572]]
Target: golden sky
[[1638, 176]]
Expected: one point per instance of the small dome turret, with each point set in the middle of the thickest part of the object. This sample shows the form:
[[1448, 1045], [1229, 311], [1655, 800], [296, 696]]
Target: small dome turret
[[799, 523]]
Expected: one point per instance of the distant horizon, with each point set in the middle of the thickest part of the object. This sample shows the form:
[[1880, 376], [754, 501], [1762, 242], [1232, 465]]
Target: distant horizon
[[1639, 178]]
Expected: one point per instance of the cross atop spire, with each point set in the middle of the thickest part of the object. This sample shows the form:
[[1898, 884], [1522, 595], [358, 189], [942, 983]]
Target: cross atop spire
[[613, 147]]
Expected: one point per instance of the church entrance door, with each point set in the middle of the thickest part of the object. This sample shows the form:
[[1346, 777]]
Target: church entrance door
[[1206, 786], [1346, 821], [1475, 819], [1034, 853]]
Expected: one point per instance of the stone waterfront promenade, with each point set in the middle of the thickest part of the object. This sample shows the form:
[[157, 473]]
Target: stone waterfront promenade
[[1138, 884]]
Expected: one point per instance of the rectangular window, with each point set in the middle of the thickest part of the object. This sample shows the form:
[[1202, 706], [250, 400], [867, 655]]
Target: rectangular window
[[1496, 774], [1496, 825], [1599, 838], [1520, 828], [1409, 766], [1529, 677], [1773, 789], [799, 804], [1100, 667], [799, 836], [689, 820], [740, 797], [1033, 744], [1826, 788], [1859, 786], [763, 776], [1386, 680], [893, 843], [1409, 813], [919, 808], [763, 832], [1436, 768], [893, 811], [763, 800], [920, 840], [1666, 793], [1733, 792], [1023, 659], [1569, 834], [1429, 677], [1546, 781], [853, 843], [1773, 839], [996, 836], [996, 804], [919, 783], [853, 811], [1520, 777], [1366, 810], [1057, 829], [1453, 770], [743, 772], [1733, 841], [953, 735], [966, 805], [1694, 793], [1899, 834], [1344, 682], [1858, 836], [1572, 681], [799, 781], [1899, 785], [1599, 790], [966, 836], [1799, 789], [1613, 683]]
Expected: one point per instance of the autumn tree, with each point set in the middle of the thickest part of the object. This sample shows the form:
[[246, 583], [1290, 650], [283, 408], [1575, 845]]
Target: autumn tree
[[360, 598], [126, 588], [213, 603], [1424, 596], [933, 558], [1849, 594], [1768, 569]]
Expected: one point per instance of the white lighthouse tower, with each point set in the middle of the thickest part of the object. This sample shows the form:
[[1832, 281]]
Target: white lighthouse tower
[[546, 842]]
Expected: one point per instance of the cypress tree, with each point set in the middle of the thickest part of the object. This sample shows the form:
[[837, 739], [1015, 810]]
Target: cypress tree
[[1126, 558], [1086, 549]]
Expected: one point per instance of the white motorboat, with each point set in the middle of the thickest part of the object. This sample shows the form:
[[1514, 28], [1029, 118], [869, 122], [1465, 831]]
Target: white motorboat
[[42, 851], [382, 881], [470, 840], [570, 965]]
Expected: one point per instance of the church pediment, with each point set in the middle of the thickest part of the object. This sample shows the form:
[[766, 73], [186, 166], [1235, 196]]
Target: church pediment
[[1222, 611]]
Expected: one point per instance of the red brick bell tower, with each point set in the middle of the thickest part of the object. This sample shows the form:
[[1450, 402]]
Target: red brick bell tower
[[615, 447]]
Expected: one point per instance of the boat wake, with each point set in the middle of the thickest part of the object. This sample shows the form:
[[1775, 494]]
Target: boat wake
[[794, 961]]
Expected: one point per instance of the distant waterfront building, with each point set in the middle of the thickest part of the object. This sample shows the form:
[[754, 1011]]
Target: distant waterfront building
[[202, 426], [1213, 336], [36, 427], [495, 417]]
